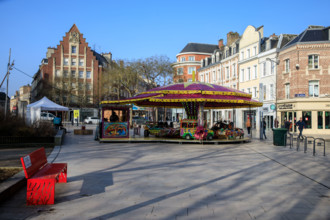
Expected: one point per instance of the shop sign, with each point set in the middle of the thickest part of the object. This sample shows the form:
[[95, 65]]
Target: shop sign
[[285, 106], [265, 109], [299, 95], [272, 107], [76, 113], [327, 105]]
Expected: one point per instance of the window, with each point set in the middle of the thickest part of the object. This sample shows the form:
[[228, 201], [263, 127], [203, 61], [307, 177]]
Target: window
[[234, 70], [313, 88], [191, 69], [242, 75], [89, 86], [242, 55], [264, 72], [272, 68], [73, 85], [219, 74], [271, 91], [255, 50], [243, 90], [73, 49], [191, 58], [88, 74], [66, 61], [327, 120], [183, 59], [255, 71], [66, 73], [313, 61], [202, 78], [189, 80], [81, 62], [248, 53], [287, 65], [307, 117], [81, 74], [58, 73], [73, 61], [207, 77], [180, 71], [234, 50], [80, 86], [265, 92], [214, 76], [320, 120], [248, 73], [249, 90], [234, 86], [254, 94], [287, 91], [227, 72], [73, 73]]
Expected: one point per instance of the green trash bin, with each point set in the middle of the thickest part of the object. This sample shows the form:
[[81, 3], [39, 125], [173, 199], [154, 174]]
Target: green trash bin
[[279, 136]]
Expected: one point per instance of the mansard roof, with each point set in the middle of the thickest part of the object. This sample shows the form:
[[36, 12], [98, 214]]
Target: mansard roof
[[199, 48], [311, 34]]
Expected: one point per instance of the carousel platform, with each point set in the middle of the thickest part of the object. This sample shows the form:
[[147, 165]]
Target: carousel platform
[[172, 140]]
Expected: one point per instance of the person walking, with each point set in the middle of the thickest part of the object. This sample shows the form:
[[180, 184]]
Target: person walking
[[264, 125], [248, 125], [301, 125]]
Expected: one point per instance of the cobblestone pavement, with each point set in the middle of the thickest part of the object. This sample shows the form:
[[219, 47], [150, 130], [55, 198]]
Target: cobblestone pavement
[[255, 180]]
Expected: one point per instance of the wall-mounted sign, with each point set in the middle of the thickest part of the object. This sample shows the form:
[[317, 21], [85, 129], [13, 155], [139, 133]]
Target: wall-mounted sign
[[299, 95], [285, 106], [272, 107]]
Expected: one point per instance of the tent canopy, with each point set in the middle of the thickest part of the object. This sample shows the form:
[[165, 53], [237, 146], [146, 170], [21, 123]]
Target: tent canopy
[[46, 105], [34, 109]]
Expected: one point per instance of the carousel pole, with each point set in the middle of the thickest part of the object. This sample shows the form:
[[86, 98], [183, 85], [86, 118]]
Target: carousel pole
[[200, 113]]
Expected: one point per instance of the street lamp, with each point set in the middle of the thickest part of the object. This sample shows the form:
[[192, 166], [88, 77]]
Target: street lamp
[[277, 62]]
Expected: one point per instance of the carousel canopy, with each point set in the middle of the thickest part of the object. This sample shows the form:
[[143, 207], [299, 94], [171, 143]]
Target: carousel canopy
[[177, 95]]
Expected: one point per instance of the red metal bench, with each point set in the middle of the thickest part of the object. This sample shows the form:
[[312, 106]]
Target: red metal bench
[[41, 177]]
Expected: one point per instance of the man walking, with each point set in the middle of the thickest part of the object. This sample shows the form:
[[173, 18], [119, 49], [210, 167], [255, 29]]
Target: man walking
[[248, 125], [301, 125], [264, 125]]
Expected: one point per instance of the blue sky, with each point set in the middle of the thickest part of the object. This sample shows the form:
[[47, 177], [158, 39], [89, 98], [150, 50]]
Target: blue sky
[[138, 29]]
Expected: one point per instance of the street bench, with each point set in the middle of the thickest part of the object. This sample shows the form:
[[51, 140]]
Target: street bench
[[41, 177]]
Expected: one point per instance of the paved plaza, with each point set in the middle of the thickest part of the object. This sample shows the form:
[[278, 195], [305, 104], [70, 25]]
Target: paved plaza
[[255, 180]]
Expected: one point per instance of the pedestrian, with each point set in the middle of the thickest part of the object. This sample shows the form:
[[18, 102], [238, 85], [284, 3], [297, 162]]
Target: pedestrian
[[301, 125], [287, 124], [264, 128], [248, 125]]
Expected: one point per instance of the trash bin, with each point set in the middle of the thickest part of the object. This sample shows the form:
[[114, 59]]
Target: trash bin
[[279, 136]]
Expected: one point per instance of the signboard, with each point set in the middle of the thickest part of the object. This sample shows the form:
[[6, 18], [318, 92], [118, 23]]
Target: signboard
[[299, 95], [27, 161], [272, 107], [76, 113], [285, 106]]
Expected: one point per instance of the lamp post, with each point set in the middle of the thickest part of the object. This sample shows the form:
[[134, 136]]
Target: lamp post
[[275, 62]]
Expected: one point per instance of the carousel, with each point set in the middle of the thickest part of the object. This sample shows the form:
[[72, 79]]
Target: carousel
[[194, 97]]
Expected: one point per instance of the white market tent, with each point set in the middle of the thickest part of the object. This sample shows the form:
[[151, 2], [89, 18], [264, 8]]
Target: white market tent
[[34, 109]]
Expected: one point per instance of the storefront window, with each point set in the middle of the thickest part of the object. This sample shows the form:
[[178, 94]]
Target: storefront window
[[320, 120], [307, 117], [327, 120]]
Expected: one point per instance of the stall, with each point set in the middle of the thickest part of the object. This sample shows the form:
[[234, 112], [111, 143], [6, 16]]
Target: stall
[[115, 121]]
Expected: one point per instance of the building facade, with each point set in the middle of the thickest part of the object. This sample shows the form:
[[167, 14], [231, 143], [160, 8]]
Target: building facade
[[303, 81], [189, 60], [20, 100], [71, 73]]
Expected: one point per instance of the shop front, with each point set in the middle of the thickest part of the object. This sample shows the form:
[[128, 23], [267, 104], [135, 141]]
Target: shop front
[[314, 112]]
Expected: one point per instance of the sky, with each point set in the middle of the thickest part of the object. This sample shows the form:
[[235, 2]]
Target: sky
[[133, 30]]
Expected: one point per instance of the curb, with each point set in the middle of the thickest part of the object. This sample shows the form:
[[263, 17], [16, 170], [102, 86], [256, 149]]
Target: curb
[[10, 186]]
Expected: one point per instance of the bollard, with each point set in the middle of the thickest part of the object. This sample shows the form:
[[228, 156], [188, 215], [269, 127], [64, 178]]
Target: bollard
[[298, 143], [323, 145], [306, 142]]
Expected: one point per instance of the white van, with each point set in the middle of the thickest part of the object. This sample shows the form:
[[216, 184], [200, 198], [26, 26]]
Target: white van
[[47, 116]]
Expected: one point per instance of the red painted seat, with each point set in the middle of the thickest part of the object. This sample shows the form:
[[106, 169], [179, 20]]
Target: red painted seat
[[41, 177]]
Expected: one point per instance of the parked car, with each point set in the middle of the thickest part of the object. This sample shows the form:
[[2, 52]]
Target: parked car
[[139, 120], [47, 116], [92, 120]]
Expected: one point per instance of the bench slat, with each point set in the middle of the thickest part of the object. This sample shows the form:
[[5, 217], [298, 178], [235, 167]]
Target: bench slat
[[50, 171]]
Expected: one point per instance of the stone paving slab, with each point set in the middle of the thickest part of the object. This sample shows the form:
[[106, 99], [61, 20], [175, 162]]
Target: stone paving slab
[[254, 180]]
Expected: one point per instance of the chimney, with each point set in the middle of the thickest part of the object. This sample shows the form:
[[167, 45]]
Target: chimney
[[232, 37], [220, 43]]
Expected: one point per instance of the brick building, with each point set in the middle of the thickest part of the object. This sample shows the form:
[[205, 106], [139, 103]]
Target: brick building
[[71, 73], [189, 60], [20, 100], [303, 80]]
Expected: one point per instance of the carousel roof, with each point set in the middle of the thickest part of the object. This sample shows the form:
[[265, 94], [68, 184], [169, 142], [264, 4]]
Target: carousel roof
[[214, 96]]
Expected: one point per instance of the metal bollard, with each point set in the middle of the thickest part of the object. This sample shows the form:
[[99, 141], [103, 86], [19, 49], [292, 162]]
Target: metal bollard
[[298, 144], [323, 145], [306, 142]]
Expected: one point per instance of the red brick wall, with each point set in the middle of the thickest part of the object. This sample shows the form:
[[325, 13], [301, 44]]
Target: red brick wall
[[299, 78]]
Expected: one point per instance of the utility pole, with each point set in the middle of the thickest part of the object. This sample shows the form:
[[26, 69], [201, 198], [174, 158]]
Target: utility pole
[[9, 67]]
